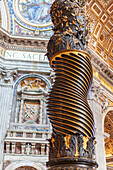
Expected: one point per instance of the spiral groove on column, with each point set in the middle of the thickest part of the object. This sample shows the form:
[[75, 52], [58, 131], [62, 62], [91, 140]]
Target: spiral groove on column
[[68, 108]]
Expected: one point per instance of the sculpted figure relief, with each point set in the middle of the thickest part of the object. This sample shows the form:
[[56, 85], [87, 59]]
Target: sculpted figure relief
[[36, 11]]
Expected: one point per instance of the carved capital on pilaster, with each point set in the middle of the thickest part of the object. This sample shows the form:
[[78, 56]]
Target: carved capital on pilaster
[[96, 93], [105, 103], [8, 76]]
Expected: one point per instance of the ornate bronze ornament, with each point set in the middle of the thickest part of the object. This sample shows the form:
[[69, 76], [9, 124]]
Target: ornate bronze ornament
[[72, 142], [70, 26]]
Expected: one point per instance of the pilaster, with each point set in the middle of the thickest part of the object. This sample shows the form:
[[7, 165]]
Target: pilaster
[[95, 101], [7, 78]]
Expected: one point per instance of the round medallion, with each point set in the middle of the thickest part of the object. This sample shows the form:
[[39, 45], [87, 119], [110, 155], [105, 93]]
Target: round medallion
[[34, 12]]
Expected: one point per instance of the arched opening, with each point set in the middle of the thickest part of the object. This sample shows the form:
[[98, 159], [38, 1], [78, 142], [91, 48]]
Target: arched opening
[[29, 98], [108, 133], [24, 165], [26, 168], [29, 120]]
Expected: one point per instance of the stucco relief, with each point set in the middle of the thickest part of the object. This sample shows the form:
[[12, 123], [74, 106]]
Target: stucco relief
[[36, 11], [96, 93], [8, 76], [30, 100]]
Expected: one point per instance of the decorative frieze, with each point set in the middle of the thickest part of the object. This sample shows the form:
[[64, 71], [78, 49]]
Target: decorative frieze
[[101, 66], [25, 43], [72, 146]]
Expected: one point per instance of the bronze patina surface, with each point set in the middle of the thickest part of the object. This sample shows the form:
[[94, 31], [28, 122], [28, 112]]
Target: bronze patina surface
[[72, 144]]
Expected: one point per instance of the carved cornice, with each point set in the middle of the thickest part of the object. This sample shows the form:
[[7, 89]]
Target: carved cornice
[[10, 42], [101, 66], [22, 43]]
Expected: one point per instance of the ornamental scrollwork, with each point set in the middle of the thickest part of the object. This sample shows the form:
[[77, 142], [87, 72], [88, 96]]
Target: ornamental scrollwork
[[8, 76]]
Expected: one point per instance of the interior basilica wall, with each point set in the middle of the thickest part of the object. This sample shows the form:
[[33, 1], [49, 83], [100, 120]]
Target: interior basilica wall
[[25, 79], [18, 83], [10, 78]]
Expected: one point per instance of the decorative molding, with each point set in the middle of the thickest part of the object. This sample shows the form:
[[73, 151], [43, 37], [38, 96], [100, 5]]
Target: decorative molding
[[101, 66], [18, 164], [8, 76], [96, 93], [22, 43], [105, 104], [10, 42]]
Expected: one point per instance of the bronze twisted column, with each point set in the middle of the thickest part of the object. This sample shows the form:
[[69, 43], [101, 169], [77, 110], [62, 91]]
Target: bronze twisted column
[[72, 141]]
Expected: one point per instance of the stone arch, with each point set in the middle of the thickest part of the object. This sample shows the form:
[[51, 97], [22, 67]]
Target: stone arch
[[32, 75], [108, 133], [15, 165], [25, 168], [109, 108], [16, 86]]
